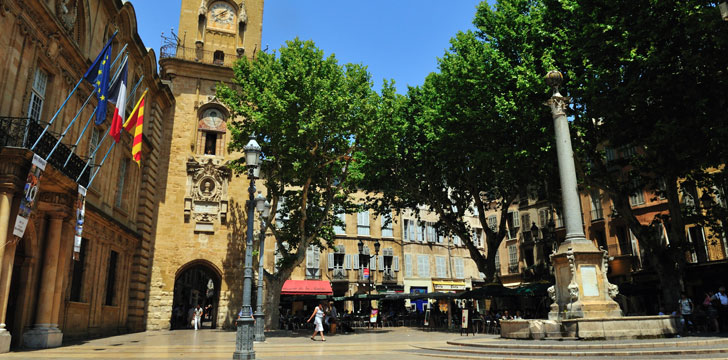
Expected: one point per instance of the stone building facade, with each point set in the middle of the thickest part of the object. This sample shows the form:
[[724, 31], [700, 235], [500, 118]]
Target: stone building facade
[[46, 296], [201, 218]]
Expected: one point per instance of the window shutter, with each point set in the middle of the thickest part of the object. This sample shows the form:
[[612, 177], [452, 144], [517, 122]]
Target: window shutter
[[317, 258], [395, 263], [331, 260], [356, 261], [380, 265], [516, 219], [347, 261], [405, 230], [407, 265], [372, 262], [309, 257]]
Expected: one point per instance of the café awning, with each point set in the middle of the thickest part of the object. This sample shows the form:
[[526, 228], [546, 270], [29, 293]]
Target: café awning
[[306, 287]]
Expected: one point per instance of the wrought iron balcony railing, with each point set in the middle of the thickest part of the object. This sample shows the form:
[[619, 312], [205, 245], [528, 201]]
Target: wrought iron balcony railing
[[23, 132], [339, 274], [173, 50]]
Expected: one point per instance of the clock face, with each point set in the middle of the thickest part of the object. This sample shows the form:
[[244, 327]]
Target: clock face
[[222, 16]]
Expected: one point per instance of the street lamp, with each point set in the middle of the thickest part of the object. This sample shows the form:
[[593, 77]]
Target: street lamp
[[244, 335], [263, 207], [367, 258]]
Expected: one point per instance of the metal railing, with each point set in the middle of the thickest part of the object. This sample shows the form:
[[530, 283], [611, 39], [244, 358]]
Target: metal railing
[[23, 132], [389, 275], [172, 50], [339, 274]]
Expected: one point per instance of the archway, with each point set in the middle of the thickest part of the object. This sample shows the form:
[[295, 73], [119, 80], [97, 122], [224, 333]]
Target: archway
[[197, 282]]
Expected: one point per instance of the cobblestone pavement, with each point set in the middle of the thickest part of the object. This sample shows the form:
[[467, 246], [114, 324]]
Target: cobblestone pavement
[[388, 343]]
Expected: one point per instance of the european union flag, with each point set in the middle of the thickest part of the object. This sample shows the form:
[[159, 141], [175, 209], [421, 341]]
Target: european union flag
[[98, 74]]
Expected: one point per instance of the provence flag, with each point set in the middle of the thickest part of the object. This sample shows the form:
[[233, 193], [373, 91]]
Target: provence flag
[[98, 74], [136, 122]]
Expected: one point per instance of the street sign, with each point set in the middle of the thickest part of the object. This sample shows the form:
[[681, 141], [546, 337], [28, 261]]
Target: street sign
[[366, 273]]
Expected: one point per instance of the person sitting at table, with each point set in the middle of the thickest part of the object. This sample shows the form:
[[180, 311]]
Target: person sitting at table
[[518, 315], [506, 316]]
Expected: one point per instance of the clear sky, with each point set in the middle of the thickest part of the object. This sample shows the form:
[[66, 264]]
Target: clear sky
[[395, 39]]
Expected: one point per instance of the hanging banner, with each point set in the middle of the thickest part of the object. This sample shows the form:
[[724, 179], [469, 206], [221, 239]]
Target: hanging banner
[[32, 186], [373, 316], [80, 213]]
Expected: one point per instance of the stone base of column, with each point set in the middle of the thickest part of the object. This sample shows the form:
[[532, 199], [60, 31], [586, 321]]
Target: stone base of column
[[5, 341], [259, 327], [244, 339], [42, 337]]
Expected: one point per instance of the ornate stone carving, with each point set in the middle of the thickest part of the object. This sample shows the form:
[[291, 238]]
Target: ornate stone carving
[[552, 292], [573, 286], [242, 14], [612, 289], [67, 12], [207, 192], [203, 9]]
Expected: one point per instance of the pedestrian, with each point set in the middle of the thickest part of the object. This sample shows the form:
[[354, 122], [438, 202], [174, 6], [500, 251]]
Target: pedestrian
[[318, 314], [198, 316], [711, 312], [190, 317], [722, 300], [685, 306]]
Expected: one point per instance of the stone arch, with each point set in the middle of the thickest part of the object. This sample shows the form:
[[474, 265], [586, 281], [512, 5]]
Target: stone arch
[[196, 282]]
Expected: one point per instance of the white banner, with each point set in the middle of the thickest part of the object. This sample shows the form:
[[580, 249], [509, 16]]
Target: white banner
[[80, 214], [32, 186]]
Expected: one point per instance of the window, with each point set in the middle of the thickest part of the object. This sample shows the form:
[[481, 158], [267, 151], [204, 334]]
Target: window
[[610, 154], [512, 255], [409, 230], [111, 279], [431, 233], [120, 184], [543, 217], [77, 273], [493, 222], [624, 241], [92, 144], [362, 223], [387, 226], [279, 254], [596, 205], [526, 223], [420, 232], [423, 266], [440, 266], [497, 261], [638, 197], [313, 262], [218, 57], [456, 240], [37, 95], [210, 143], [340, 229], [408, 265], [459, 268]]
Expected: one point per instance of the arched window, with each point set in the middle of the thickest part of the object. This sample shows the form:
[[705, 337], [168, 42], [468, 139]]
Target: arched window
[[218, 58], [211, 131]]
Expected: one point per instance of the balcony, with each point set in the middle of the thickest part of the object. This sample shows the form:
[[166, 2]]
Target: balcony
[[172, 50], [23, 132], [389, 276], [339, 274], [513, 268]]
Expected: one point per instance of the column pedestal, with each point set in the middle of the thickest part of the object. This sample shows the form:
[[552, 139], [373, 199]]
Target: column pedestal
[[42, 337], [582, 289]]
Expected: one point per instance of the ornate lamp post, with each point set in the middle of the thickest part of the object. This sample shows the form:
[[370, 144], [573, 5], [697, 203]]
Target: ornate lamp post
[[244, 336], [367, 258], [263, 207], [582, 289]]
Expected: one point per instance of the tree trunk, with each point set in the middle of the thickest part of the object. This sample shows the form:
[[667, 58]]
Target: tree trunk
[[671, 280], [272, 300]]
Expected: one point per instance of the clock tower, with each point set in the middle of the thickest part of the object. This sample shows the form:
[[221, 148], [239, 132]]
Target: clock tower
[[197, 249]]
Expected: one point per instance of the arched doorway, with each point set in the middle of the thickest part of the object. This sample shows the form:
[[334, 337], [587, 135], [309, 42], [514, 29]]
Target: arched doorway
[[197, 282]]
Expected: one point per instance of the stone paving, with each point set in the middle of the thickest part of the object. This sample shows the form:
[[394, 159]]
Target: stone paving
[[388, 343]]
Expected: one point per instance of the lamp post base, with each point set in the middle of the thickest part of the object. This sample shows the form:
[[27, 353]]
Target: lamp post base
[[259, 326], [244, 340]]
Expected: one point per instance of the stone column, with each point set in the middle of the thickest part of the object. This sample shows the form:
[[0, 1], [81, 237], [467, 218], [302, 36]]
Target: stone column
[[6, 200], [44, 334], [63, 259], [582, 289]]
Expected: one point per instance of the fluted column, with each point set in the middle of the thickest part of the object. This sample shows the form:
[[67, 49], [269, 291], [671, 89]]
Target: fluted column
[[6, 265], [63, 259]]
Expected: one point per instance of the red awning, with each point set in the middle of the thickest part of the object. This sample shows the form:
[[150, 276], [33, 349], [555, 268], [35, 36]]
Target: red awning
[[306, 287]]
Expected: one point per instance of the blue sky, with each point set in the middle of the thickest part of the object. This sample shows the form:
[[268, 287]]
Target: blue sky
[[395, 39]]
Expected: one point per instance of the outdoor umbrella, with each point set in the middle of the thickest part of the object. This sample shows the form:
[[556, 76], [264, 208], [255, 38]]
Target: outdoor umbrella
[[489, 290]]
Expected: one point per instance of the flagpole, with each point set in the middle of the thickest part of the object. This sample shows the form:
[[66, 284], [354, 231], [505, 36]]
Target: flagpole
[[100, 165], [106, 133], [60, 138], [66, 101]]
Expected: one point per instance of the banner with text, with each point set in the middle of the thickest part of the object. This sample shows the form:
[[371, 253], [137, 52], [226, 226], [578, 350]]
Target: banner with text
[[80, 213], [30, 191]]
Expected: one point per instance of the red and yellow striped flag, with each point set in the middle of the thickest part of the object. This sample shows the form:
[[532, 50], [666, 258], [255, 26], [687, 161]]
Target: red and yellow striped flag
[[136, 121]]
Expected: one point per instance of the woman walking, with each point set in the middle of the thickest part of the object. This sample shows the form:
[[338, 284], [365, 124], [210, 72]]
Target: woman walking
[[318, 313]]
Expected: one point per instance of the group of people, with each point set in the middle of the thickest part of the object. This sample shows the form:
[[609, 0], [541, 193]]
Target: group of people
[[195, 316], [323, 313], [710, 315]]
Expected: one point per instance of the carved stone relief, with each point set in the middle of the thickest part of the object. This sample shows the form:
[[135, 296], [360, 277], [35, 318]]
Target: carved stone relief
[[206, 200], [67, 12]]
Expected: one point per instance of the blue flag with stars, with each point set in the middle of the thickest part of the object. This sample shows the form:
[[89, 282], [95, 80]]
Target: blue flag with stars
[[98, 75]]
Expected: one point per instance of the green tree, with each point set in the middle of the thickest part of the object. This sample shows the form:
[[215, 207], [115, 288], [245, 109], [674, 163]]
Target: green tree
[[308, 113], [647, 80], [475, 135]]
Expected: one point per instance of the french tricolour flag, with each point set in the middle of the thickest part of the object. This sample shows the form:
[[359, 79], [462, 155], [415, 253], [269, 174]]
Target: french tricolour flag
[[117, 96]]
